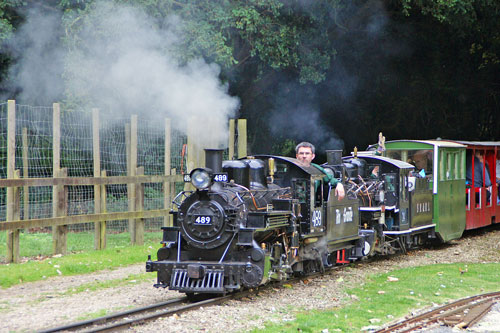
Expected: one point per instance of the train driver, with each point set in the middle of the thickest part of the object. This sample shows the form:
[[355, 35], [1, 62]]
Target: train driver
[[305, 154]]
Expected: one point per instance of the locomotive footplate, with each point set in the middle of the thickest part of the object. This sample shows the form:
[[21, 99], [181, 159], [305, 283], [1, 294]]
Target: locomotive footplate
[[191, 277]]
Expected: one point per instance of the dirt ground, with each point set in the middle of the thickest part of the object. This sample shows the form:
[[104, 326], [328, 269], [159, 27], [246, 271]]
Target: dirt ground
[[44, 304]]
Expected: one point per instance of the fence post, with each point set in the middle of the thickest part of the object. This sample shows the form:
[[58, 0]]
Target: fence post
[[231, 140], [166, 186], [60, 208], [58, 232], [139, 207], [242, 138], [132, 166], [98, 226], [104, 209], [26, 189], [12, 235]]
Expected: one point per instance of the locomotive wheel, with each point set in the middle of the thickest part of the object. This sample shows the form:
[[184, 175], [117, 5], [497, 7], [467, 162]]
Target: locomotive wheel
[[371, 247]]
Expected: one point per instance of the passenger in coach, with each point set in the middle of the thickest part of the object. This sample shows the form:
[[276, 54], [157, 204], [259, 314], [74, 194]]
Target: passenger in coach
[[421, 160], [478, 171], [304, 152], [478, 174]]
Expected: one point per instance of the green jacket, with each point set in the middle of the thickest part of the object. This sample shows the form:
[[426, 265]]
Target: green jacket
[[328, 178]]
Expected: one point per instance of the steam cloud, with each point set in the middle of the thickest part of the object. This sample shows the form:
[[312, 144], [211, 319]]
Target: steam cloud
[[123, 65], [298, 115]]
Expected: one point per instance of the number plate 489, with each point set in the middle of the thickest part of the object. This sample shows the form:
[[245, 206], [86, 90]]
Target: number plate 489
[[203, 220]]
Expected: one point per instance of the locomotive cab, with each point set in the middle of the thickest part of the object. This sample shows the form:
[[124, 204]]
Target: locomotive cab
[[327, 227], [394, 202]]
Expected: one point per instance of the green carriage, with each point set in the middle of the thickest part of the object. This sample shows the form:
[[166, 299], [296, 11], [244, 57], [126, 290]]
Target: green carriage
[[442, 165]]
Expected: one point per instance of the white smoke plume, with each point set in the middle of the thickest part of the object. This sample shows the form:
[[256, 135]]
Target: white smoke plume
[[124, 62], [133, 69]]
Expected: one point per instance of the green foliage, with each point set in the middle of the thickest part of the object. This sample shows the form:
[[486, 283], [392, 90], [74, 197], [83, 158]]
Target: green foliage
[[8, 16], [284, 148], [476, 21], [414, 288], [275, 34]]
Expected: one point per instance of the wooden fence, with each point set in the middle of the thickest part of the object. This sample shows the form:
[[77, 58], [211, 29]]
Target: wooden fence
[[60, 182]]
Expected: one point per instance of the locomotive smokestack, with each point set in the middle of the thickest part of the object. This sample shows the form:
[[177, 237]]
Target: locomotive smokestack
[[334, 157], [213, 159]]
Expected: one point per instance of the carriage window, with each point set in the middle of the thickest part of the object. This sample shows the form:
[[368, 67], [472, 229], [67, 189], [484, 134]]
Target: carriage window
[[395, 154], [450, 172], [442, 162], [462, 164], [422, 159]]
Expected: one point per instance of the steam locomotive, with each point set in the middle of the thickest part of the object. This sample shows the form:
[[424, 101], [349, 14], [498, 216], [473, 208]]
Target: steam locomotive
[[269, 218]]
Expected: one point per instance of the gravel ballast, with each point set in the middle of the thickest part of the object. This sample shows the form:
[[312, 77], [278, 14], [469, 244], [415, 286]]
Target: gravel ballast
[[38, 305]]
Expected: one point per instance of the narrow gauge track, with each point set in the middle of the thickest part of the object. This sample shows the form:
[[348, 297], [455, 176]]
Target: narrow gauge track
[[151, 312], [142, 314], [170, 307], [176, 306], [461, 314]]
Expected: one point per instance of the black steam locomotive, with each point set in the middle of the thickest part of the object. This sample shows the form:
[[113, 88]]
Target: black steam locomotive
[[269, 218]]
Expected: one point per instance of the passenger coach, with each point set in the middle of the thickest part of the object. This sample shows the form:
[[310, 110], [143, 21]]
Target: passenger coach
[[441, 164], [482, 202], [450, 168]]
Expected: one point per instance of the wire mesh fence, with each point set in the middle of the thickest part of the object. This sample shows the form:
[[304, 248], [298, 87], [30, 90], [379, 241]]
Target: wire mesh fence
[[50, 142], [34, 135]]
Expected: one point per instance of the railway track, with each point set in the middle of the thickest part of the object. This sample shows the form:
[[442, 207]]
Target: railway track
[[136, 316], [170, 307], [460, 314]]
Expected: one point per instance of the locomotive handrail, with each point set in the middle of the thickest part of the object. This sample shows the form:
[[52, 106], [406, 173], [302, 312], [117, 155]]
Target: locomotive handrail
[[181, 193]]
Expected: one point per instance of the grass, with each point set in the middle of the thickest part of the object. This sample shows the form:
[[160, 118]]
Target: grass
[[40, 244], [99, 285], [379, 299], [93, 315], [118, 253]]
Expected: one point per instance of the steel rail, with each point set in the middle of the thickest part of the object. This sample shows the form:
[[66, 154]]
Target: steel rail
[[169, 312], [101, 320], [462, 313]]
